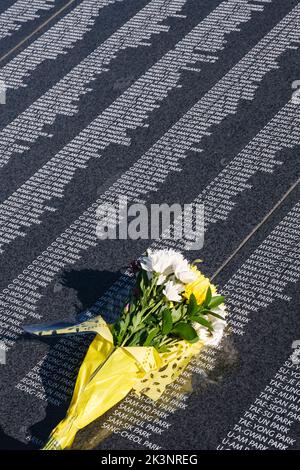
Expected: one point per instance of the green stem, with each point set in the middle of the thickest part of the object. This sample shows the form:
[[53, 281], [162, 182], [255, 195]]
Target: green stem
[[168, 340], [153, 309]]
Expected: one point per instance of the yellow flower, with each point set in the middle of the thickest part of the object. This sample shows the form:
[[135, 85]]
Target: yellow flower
[[198, 288]]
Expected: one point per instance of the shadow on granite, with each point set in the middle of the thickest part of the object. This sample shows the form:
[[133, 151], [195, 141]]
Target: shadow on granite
[[89, 285]]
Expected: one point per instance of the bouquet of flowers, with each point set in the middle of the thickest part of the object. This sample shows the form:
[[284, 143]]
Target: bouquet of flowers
[[172, 312]]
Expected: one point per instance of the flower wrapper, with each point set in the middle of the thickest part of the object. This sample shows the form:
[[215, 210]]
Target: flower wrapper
[[108, 374]]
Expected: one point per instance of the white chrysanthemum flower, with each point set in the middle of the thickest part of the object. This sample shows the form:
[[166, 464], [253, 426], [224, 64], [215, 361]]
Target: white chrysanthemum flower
[[172, 291], [176, 258], [214, 338], [161, 261], [184, 273]]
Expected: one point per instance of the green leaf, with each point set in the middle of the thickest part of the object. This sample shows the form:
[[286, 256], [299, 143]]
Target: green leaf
[[204, 311], [216, 315], [185, 331], [142, 280], [136, 340], [167, 322], [207, 297], [200, 319], [176, 315], [137, 319], [193, 307], [216, 301], [151, 321], [121, 328], [197, 261], [127, 320], [151, 336]]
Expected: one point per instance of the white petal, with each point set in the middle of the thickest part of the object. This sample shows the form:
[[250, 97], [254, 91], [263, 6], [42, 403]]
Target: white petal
[[214, 338], [161, 279], [186, 276], [184, 273], [172, 291]]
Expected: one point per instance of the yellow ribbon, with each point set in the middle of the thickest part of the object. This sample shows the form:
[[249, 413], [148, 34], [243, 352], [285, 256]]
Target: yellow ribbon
[[108, 374]]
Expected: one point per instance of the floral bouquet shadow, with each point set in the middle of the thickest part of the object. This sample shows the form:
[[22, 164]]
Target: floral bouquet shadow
[[66, 353]]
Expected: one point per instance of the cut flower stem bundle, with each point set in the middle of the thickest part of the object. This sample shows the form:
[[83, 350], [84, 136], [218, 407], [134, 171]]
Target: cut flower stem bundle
[[172, 312]]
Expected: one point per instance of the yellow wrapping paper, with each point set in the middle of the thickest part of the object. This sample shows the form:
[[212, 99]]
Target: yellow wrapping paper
[[108, 374]]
